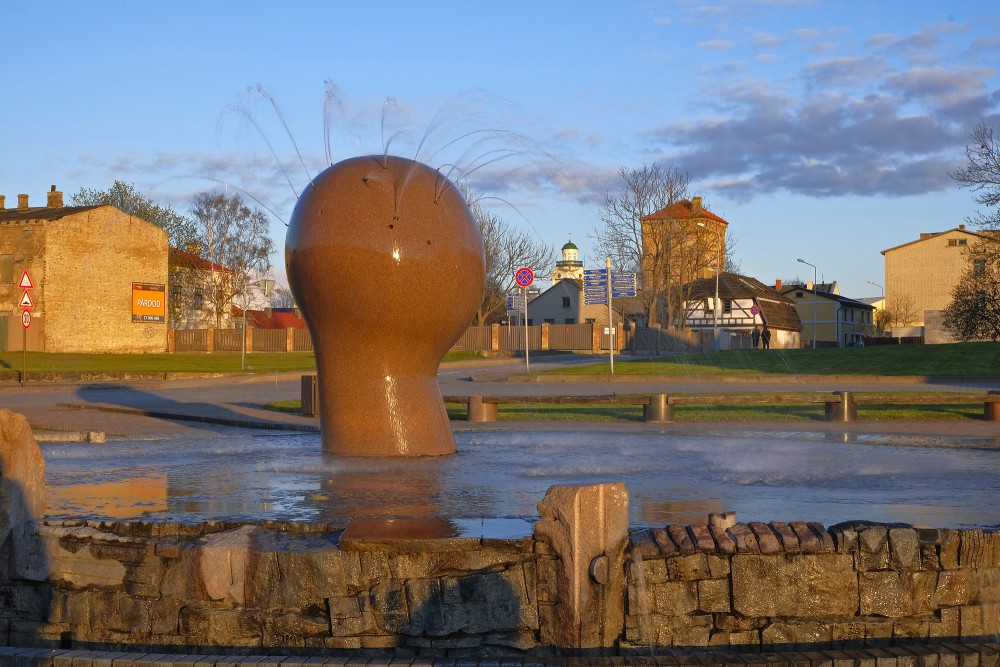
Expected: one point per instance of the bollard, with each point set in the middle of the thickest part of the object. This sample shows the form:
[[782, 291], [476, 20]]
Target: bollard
[[991, 409], [844, 411], [480, 411], [310, 395], [658, 410]]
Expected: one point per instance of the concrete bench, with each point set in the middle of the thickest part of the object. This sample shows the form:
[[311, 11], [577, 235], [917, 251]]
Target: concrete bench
[[655, 408]]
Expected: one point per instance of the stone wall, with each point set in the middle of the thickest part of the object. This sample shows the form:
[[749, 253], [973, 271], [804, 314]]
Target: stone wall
[[254, 588]]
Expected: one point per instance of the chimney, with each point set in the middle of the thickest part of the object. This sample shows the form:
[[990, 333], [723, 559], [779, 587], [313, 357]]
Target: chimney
[[193, 248], [777, 285], [55, 198], [2, 204], [22, 201], [695, 205], [961, 226]]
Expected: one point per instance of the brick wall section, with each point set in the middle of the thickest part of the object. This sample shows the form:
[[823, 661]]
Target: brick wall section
[[751, 589], [926, 270], [91, 260]]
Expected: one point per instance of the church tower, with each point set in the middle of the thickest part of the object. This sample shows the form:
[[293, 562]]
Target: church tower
[[569, 266]]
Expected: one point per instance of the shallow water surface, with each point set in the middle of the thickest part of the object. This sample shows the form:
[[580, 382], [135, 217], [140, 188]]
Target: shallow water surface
[[761, 476]]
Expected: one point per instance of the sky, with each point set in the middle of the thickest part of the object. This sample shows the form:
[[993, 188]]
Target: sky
[[819, 130]]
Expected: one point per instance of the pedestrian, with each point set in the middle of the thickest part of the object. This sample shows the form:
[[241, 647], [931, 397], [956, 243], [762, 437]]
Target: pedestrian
[[765, 336], [755, 336]]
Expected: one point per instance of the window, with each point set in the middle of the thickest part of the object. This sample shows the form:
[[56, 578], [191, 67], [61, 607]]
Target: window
[[799, 295], [565, 302], [549, 320], [570, 320], [727, 306], [6, 268], [979, 267], [957, 242], [591, 320], [199, 298]]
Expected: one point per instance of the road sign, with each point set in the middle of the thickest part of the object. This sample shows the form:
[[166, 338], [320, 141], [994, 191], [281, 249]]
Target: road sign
[[25, 318], [25, 281], [622, 293], [524, 276], [25, 301], [754, 309]]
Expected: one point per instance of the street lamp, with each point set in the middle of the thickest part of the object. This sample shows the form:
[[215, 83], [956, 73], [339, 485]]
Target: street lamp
[[882, 302], [715, 305], [814, 299]]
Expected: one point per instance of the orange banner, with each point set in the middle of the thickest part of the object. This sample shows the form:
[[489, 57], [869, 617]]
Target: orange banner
[[149, 303]]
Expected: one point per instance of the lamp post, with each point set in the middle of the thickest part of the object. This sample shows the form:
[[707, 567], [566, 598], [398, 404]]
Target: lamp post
[[814, 299], [882, 306], [715, 305]]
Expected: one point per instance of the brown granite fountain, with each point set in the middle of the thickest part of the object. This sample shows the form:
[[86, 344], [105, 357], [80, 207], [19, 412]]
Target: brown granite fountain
[[385, 259]]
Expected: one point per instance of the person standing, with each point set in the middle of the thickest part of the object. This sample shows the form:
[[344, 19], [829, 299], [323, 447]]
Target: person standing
[[765, 337], [755, 336]]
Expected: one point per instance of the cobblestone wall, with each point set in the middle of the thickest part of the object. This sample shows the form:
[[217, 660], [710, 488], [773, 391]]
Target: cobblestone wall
[[750, 587]]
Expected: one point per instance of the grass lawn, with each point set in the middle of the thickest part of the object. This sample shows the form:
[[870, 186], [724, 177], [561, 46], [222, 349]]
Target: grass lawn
[[958, 359], [217, 362]]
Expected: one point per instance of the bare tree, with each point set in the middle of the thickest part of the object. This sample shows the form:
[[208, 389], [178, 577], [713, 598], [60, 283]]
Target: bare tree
[[507, 249], [281, 297], [981, 174], [234, 236], [900, 310], [650, 251], [974, 311]]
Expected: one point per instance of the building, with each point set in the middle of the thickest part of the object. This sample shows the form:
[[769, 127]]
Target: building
[[743, 303], [570, 266], [194, 282], [563, 303], [839, 321], [921, 274], [98, 279]]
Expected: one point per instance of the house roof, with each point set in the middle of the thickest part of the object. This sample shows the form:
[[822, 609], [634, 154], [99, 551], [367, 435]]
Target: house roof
[[279, 318], [776, 309], [985, 234], [684, 209], [41, 213], [854, 303], [187, 260]]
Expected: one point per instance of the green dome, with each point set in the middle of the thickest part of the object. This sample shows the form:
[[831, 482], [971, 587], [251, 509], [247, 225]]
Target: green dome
[[570, 246]]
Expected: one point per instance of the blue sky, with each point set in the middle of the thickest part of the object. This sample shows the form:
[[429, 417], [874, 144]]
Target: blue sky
[[821, 130]]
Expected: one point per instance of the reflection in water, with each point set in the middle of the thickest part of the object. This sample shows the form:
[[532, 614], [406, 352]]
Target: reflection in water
[[672, 479]]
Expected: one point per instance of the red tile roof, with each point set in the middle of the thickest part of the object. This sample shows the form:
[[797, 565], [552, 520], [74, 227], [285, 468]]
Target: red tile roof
[[188, 260], [281, 318], [682, 210]]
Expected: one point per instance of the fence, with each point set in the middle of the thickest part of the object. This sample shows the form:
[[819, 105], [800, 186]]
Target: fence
[[591, 338]]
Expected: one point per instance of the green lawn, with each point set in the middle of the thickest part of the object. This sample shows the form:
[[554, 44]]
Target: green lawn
[[218, 362], [959, 359]]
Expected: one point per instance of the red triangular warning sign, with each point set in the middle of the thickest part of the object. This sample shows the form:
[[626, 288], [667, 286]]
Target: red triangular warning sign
[[25, 281], [25, 301]]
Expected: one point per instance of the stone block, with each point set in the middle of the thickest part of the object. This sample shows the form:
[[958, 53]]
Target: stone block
[[702, 537], [723, 541], [845, 537], [662, 538], [222, 560], [904, 549], [946, 625], [806, 586], [978, 549], [680, 536], [897, 594], [22, 474], [718, 566], [674, 598], [205, 626], [789, 542], [979, 620], [687, 568], [746, 541], [797, 635], [985, 584], [950, 542], [953, 588], [809, 541], [713, 596], [766, 538], [642, 544], [687, 631], [587, 528], [873, 551]]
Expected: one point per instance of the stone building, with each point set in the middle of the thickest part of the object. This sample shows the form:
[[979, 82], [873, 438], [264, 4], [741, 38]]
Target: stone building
[[921, 274], [194, 282], [98, 278], [563, 303]]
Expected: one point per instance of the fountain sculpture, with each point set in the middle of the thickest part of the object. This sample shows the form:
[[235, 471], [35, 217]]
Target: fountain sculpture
[[385, 259]]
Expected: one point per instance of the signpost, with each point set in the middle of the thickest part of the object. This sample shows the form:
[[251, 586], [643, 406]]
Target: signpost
[[26, 304], [524, 277], [599, 287]]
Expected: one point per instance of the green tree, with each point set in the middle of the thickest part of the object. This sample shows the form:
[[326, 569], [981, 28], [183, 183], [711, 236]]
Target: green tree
[[234, 236], [123, 196], [974, 311]]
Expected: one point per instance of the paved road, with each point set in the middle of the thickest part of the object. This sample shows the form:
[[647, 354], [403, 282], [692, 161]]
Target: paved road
[[239, 398]]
